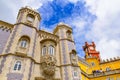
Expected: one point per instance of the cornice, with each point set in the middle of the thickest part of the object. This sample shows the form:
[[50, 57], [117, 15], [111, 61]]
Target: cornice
[[6, 23], [109, 61], [32, 59], [68, 40], [28, 25]]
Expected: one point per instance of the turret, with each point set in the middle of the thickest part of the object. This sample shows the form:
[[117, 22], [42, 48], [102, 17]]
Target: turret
[[90, 51], [29, 17], [68, 52]]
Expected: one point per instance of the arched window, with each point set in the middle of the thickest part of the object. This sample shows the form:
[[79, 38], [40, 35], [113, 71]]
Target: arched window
[[44, 50], [23, 43], [68, 33], [17, 65], [51, 50], [72, 56], [30, 18]]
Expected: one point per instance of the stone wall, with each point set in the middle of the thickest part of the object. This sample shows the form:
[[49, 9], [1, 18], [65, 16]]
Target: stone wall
[[4, 34]]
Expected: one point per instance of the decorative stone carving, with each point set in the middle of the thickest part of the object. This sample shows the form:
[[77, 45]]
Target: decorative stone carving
[[48, 65], [73, 58]]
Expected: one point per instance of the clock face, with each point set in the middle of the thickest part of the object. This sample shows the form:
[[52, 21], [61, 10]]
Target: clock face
[[91, 48]]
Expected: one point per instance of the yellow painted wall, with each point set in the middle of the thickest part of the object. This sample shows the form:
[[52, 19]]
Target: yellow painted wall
[[83, 67], [112, 77], [84, 77], [113, 65], [95, 66]]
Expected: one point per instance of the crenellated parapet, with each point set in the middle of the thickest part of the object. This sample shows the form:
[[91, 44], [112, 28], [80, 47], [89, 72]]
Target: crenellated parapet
[[6, 26], [46, 35], [110, 60], [30, 10]]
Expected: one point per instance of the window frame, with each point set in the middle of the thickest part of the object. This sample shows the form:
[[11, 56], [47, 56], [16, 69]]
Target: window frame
[[44, 50], [30, 18], [69, 34], [73, 56], [23, 43], [17, 66], [75, 74], [51, 50]]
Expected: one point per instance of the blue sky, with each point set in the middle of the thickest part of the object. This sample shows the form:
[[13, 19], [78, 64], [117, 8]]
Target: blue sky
[[91, 20], [64, 11]]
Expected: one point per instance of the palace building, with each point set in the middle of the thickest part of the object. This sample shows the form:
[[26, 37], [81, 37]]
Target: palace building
[[28, 53], [93, 68]]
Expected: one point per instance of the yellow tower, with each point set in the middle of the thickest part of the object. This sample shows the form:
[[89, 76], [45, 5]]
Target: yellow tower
[[92, 68]]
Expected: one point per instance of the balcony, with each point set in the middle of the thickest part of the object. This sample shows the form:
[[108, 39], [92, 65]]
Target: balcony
[[100, 74]]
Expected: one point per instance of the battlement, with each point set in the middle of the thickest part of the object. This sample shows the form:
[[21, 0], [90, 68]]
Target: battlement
[[110, 60], [87, 45], [30, 8], [6, 26]]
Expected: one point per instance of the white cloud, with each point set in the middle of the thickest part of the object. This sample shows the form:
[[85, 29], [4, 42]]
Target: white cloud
[[74, 1], [106, 28], [9, 9], [79, 25]]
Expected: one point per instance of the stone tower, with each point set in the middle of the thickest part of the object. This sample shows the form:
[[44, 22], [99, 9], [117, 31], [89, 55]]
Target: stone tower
[[68, 55], [33, 54], [20, 48]]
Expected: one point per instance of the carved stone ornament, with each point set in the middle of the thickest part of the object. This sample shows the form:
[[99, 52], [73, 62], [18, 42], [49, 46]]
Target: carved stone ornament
[[73, 59], [48, 65]]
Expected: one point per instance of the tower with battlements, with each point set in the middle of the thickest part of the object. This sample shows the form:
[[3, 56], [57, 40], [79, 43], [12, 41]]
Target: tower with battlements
[[94, 68]]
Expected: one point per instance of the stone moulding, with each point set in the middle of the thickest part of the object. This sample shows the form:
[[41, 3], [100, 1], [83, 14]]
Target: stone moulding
[[48, 65]]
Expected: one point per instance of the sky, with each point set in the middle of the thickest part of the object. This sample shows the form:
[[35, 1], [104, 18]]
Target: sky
[[91, 20]]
